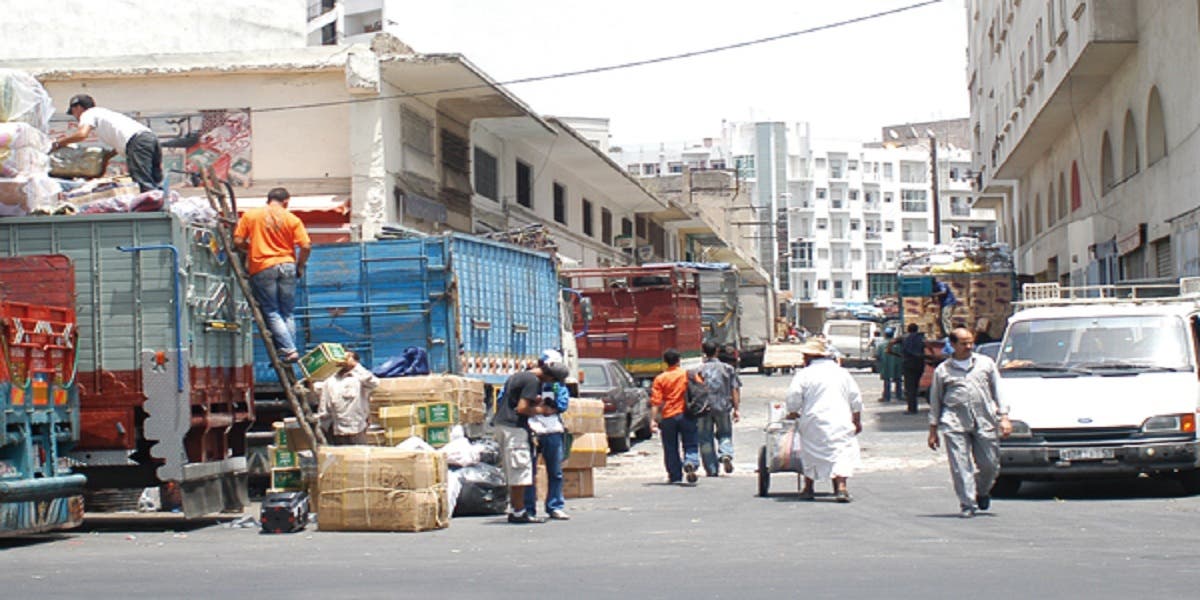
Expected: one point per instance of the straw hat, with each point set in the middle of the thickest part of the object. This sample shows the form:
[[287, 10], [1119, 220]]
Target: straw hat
[[814, 347]]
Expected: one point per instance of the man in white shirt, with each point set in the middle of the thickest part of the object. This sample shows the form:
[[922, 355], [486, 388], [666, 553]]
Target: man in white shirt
[[346, 402], [139, 145]]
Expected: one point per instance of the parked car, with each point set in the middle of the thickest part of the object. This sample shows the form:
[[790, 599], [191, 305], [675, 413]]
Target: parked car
[[990, 349], [626, 406]]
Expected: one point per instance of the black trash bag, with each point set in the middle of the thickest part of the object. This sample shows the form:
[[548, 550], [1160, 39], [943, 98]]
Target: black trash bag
[[488, 451], [484, 491]]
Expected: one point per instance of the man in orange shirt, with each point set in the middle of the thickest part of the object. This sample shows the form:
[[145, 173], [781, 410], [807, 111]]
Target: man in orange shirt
[[668, 399], [269, 236]]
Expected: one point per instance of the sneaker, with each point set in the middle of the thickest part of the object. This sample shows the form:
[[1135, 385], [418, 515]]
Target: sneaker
[[967, 513], [559, 515], [523, 518], [689, 471], [727, 462], [984, 502]]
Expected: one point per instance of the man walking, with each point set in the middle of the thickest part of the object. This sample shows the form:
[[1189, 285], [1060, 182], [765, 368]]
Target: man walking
[[912, 355], [964, 406], [828, 404], [269, 235], [723, 386], [139, 145], [346, 402], [522, 399], [668, 400]]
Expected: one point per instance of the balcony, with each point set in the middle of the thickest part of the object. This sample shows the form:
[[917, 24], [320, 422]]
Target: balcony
[[915, 236], [872, 236], [1103, 35]]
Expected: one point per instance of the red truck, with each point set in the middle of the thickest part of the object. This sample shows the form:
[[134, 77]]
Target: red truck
[[637, 314]]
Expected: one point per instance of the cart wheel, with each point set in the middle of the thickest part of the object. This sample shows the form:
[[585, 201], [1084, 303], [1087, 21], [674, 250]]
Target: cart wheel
[[764, 473]]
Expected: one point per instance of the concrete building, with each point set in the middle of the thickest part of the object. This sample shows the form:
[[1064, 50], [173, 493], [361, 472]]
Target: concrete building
[[425, 141], [821, 214], [1083, 132]]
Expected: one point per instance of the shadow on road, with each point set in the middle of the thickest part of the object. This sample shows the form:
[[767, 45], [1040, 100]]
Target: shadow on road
[[893, 419], [31, 540], [148, 523], [1133, 488]]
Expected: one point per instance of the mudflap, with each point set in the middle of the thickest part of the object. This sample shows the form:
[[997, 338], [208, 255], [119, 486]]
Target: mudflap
[[36, 516], [214, 487]]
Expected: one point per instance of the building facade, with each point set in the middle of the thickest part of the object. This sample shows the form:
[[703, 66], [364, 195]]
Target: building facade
[[1082, 131], [822, 214]]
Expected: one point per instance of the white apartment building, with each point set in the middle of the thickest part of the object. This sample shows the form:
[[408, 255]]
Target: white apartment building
[[1083, 115], [824, 213]]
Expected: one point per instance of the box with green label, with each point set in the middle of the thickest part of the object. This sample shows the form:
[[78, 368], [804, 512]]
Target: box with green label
[[287, 479], [322, 361], [282, 458], [437, 413], [437, 435]]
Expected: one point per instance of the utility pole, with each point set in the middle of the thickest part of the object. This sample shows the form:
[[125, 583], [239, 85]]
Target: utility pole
[[937, 205]]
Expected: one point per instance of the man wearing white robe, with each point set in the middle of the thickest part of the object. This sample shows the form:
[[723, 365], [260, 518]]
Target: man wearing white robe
[[828, 404]]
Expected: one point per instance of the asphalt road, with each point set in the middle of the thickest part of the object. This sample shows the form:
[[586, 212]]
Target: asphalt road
[[641, 538]]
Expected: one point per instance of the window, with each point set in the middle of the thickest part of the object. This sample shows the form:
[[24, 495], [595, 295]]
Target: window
[[852, 165], [606, 223], [641, 227], [634, 169], [822, 224], [960, 206], [889, 226], [1108, 174], [674, 167], [835, 198], [887, 171], [650, 169], [1062, 196], [487, 175], [626, 227], [856, 255], [820, 193], [560, 203], [913, 201], [524, 185], [838, 289], [1156, 132], [1051, 206], [823, 253], [888, 196], [745, 166], [416, 133], [856, 285], [1129, 148], [835, 168], [802, 255], [819, 163], [913, 172], [718, 164], [854, 194], [1037, 214], [1076, 193], [822, 284], [586, 206], [855, 224]]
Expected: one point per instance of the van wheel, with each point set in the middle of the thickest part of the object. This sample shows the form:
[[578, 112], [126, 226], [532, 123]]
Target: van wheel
[[1006, 486]]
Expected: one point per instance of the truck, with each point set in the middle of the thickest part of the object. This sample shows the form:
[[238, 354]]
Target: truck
[[164, 369], [637, 313], [1102, 382], [854, 339], [756, 318], [39, 399]]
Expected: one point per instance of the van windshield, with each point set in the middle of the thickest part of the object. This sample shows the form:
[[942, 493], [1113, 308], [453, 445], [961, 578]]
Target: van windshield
[[1096, 345]]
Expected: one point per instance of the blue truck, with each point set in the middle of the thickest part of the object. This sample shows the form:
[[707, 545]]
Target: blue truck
[[39, 400]]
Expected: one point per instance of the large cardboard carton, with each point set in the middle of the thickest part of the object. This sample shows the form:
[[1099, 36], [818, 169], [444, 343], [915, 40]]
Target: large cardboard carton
[[584, 416], [465, 393], [588, 450], [323, 361], [366, 488], [577, 483], [289, 436]]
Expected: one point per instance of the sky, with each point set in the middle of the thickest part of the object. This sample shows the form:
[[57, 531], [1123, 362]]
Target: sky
[[847, 82]]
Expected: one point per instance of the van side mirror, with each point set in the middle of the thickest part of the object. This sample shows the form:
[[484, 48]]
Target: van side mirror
[[585, 309]]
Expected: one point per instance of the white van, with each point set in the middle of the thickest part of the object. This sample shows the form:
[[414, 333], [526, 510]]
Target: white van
[[1101, 381], [854, 339]]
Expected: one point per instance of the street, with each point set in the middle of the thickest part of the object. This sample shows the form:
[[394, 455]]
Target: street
[[641, 538]]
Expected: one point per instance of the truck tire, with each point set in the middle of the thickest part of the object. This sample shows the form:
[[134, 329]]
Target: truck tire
[[1006, 486]]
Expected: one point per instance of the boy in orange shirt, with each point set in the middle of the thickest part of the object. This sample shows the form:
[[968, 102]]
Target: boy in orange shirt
[[668, 398], [269, 236]]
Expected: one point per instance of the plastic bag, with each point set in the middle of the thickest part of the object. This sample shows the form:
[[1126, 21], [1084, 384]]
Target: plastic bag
[[488, 451], [460, 452], [484, 491], [416, 444], [24, 100], [787, 450]]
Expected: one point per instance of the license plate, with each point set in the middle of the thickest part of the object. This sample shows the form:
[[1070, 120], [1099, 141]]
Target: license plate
[[1086, 453]]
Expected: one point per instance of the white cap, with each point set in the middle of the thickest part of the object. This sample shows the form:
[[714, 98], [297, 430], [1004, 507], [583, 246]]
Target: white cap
[[551, 356]]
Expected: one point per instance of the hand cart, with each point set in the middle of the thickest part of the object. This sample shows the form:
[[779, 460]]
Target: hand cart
[[781, 451]]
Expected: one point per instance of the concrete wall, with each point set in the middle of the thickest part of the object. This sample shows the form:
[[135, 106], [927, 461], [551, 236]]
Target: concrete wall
[[94, 28]]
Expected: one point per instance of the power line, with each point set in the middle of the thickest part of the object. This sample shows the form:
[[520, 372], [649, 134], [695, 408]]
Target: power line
[[616, 67]]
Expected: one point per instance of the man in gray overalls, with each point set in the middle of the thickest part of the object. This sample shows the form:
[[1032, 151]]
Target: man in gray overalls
[[963, 403]]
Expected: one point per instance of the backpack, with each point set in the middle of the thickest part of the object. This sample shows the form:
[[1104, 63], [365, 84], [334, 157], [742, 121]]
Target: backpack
[[702, 389]]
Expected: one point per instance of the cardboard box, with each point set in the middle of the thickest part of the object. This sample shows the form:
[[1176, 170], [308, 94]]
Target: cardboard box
[[467, 394], [399, 434], [437, 413], [377, 437], [363, 488], [289, 435], [322, 361], [398, 417], [282, 458], [584, 416], [287, 479], [577, 483], [437, 435], [588, 450]]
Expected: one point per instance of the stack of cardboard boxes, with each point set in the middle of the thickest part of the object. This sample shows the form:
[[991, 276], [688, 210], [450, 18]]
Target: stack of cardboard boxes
[[978, 295], [292, 458], [584, 421], [364, 488], [426, 406]]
